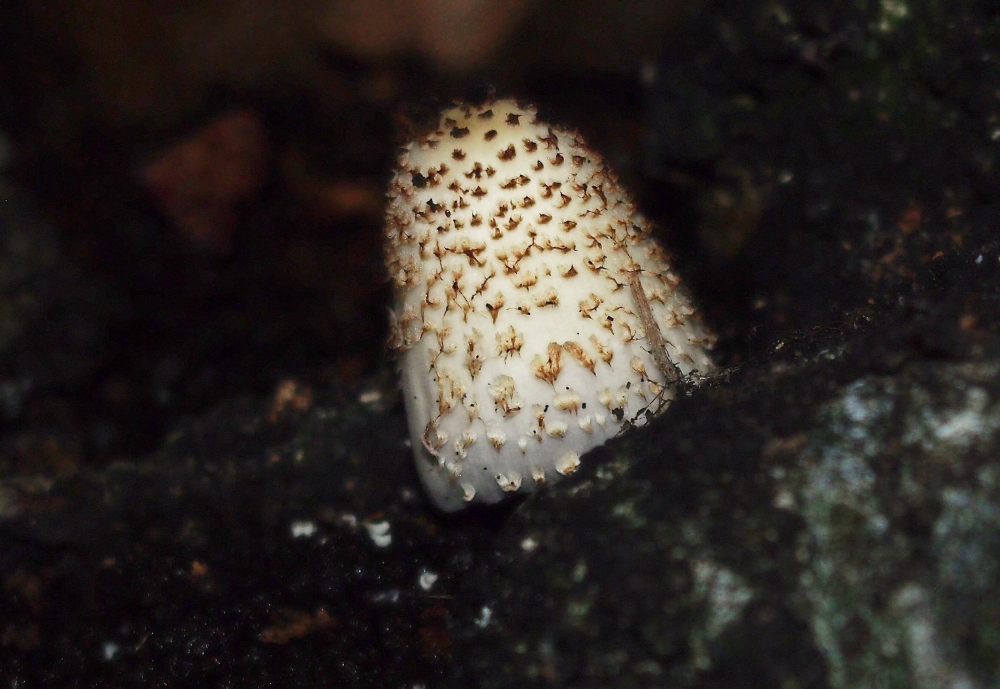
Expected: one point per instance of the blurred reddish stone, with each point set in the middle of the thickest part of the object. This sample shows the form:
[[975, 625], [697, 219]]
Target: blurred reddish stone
[[911, 218], [199, 182], [455, 35], [330, 199]]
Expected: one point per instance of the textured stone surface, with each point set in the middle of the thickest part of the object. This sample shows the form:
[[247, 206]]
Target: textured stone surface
[[856, 551]]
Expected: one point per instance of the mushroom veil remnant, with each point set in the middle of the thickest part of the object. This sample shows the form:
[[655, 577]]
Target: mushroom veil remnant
[[534, 313]]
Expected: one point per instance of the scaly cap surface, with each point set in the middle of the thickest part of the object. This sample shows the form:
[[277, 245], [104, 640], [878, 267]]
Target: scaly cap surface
[[534, 314]]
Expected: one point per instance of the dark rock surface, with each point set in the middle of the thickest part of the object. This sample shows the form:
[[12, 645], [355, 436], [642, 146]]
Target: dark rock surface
[[54, 333], [255, 549], [824, 513]]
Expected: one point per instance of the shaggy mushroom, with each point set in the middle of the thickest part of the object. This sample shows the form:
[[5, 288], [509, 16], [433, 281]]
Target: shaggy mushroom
[[534, 313]]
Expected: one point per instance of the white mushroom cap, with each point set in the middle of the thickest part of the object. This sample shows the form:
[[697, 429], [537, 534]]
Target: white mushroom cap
[[534, 314]]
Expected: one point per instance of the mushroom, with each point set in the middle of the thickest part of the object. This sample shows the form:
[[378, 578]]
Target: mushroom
[[534, 314]]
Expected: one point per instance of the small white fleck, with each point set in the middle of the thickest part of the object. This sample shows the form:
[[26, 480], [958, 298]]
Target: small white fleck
[[522, 444], [453, 468], [510, 483], [726, 593], [349, 520], [496, 437], [370, 397], [878, 523], [390, 596], [538, 473], [529, 544], [467, 439], [426, 580], [379, 533], [303, 529], [979, 259], [784, 500], [568, 463], [110, 650], [557, 429], [484, 617]]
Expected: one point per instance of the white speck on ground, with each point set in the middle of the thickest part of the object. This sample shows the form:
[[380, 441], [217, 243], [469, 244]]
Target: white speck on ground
[[303, 529], [379, 533], [427, 580]]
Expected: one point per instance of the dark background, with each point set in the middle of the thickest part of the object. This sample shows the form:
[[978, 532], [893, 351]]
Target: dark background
[[212, 175]]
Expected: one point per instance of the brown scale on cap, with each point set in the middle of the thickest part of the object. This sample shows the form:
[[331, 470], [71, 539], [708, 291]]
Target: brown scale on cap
[[509, 342], [503, 391], [530, 301], [548, 368], [578, 353]]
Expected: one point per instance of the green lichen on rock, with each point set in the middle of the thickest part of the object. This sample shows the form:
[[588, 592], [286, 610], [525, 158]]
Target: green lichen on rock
[[862, 549], [898, 462]]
